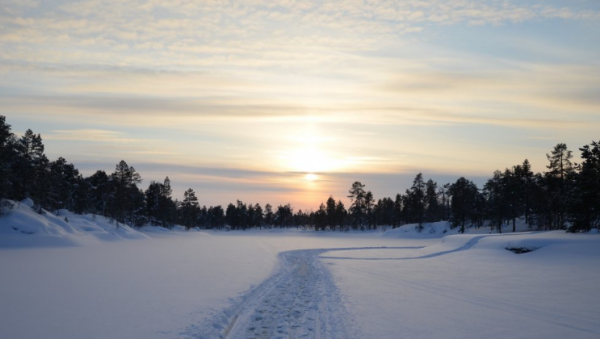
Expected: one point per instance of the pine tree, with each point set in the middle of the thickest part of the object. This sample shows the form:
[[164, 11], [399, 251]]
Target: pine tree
[[369, 204], [231, 218], [64, 181], [416, 201], [358, 208], [284, 216], [30, 170], [101, 192], [321, 218], [560, 169], [330, 211], [125, 198], [340, 214], [258, 216], [7, 159], [268, 215], [242, 214], [398, 207], [189, 209], [511, 194], [586, 200], [526, 178], [464, 198], [431, 200]]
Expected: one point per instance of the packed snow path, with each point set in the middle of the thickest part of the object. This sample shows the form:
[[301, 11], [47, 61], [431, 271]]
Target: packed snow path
[[300, 300]]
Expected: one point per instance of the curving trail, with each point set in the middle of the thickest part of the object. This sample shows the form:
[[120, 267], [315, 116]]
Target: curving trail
[[300, 300]]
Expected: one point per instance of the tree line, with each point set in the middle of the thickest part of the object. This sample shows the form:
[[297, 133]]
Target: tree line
[[566, 196]]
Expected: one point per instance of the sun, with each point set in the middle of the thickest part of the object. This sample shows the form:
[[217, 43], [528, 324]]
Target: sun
[[310, 156], [311, 177]]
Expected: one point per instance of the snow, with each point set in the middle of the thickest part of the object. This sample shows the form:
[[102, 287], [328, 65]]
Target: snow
[[88, 278], [470, 286], [23, 227]]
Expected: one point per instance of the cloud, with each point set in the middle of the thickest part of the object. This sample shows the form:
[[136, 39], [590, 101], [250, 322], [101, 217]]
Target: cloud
[[229, 84], [91, 135], [225, 33]]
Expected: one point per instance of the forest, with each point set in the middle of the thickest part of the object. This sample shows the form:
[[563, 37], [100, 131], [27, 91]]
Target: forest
[[565, 197]]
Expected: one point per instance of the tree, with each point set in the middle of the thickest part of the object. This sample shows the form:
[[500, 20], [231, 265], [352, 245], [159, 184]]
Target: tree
[[321, 218], [30, 170], [216, 217], [433, 208], [125, 180], [398, 210], [331, 213], [242, 214], [526, 180], [100, 192], [384, 212], [464, 197], [7, 159], [340, 214], [64, 181], [190, 209], [415, 204], [497, 209], [445, 201], [358, 207], [511, 194], [231, 218], [560, 168], [268, 215], [284, 216], [258, 218], [586, 200], [369, 213]]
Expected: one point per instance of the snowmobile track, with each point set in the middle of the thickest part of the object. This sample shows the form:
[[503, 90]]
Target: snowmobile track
[[300, 300]]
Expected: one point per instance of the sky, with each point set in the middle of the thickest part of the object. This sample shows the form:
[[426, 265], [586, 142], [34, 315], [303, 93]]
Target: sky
[[292, 101]]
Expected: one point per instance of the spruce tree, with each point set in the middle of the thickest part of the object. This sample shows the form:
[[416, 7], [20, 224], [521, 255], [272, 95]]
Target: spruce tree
[[560, 169], [125, 180], [340, 215], [431, 200], [189, 209], [585, 208], [416, 201], [330, 211], [358, 208], [7, 159]]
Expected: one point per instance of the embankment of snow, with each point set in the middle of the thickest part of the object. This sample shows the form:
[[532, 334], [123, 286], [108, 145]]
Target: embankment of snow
[[441, 229], [22, 226], [430, 230]]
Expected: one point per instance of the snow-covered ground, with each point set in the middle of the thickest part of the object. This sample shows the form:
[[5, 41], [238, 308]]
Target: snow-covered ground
[[87, 279]]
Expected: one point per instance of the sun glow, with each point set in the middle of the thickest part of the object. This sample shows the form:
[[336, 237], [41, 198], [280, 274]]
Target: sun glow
[[311, 177], [309, 155]]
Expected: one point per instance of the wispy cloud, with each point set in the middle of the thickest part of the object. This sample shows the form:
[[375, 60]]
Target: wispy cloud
[[225, 33], [93, 135], [276, 88]]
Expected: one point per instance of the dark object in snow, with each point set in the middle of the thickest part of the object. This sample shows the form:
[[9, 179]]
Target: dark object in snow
[[520, 250]]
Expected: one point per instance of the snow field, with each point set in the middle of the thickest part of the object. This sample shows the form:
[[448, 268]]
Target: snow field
[[477, 290], [86, 278]]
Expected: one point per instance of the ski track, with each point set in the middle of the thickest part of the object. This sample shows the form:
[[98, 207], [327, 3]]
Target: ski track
[[468, 245], [300, 300]]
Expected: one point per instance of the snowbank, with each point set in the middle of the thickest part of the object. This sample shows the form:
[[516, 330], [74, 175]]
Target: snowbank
[[411, 231], [24, 227], [443, 228]]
